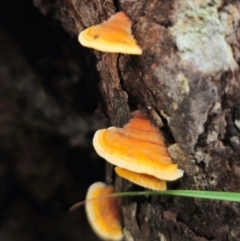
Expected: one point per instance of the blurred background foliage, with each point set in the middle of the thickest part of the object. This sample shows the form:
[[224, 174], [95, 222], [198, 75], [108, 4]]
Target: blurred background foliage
[[48, 97]]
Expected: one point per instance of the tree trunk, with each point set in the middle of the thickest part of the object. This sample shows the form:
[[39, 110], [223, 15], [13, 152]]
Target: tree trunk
[[187, 80]]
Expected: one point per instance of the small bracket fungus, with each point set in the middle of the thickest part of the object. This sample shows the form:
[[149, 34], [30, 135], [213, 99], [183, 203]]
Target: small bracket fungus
[[103, 213], [138, 147], [142, 179], [114, 36]]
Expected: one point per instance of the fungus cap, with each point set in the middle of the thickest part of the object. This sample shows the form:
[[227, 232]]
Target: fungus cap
[[114, 36], [104, 213], [142, 179], [137, 147]]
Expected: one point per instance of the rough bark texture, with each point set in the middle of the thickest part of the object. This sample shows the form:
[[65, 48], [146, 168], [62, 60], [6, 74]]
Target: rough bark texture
[[187, 80]]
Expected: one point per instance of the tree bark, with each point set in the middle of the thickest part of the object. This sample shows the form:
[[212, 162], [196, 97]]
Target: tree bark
[[188, 81]]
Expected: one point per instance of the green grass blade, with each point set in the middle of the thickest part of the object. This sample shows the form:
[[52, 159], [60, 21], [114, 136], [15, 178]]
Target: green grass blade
[[215, 195], [223, 196]]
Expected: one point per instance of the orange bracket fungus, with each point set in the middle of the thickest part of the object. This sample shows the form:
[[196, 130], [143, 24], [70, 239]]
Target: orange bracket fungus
[[103, 213], [142, 179], [138, 147], [113, 36]]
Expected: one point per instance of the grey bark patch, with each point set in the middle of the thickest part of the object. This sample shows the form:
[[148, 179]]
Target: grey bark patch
[[182, 159], [192, 113]]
